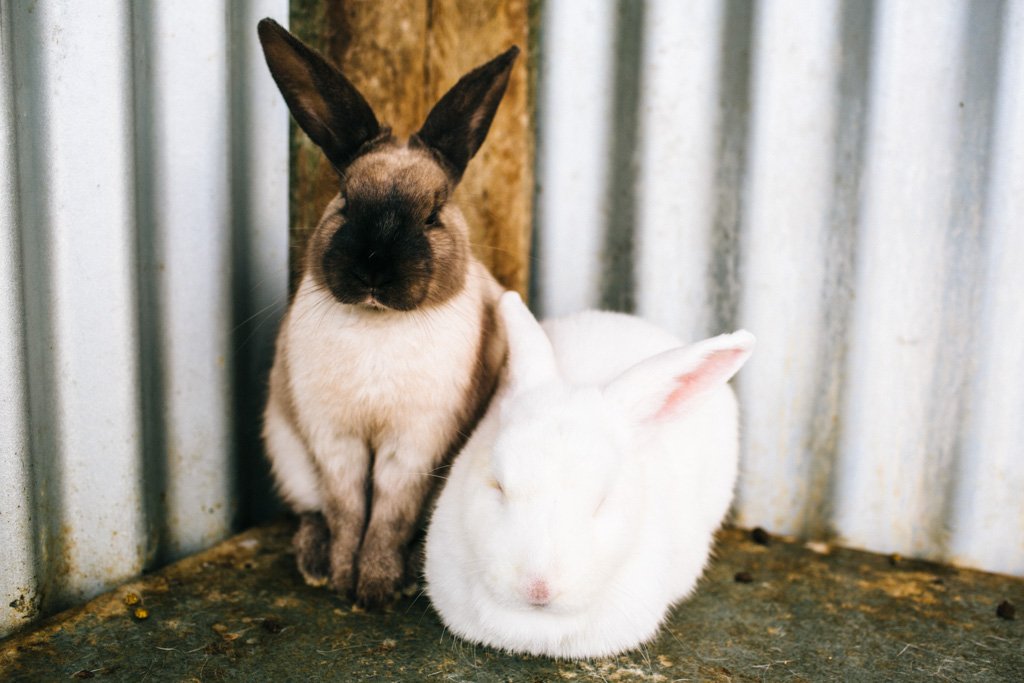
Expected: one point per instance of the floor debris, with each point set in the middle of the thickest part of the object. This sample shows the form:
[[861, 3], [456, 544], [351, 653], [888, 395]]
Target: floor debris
[[240, 611]]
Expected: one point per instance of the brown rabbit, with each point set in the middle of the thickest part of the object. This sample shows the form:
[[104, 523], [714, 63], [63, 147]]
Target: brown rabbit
[[391, 347]]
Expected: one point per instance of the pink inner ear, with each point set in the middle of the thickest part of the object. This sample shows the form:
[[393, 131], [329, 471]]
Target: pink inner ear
[[714, 369]]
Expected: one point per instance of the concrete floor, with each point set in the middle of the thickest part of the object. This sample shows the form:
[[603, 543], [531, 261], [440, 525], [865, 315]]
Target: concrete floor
[[780, 611]]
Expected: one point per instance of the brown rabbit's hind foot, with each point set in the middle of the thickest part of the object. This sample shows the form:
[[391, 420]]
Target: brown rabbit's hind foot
[[313, 579], [312, 543]]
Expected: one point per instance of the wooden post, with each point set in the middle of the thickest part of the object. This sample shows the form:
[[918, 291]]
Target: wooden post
[[403, 55]]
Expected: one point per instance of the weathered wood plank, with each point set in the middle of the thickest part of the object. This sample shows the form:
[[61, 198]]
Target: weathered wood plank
[[497, 189], [403, 55]]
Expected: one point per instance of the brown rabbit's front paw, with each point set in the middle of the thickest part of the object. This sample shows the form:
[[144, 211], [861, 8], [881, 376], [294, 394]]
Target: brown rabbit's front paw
[[341, 581], [312, 543], [342, 574], [342, 567], [380, 576]]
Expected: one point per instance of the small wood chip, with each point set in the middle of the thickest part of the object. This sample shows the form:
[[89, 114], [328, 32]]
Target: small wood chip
[[141, 613], [131, 599], [819, 547], [387, 645]]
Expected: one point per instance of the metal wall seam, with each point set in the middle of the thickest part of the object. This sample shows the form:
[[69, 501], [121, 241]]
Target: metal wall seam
[[681, 118], [987, 527], [78, 225], [574, 133], [794, 89], [891, 486], [259, 208], [18, 584], [188, 213]]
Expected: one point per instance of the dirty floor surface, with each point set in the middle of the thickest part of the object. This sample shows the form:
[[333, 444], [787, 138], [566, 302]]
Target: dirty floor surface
[[779, 611]]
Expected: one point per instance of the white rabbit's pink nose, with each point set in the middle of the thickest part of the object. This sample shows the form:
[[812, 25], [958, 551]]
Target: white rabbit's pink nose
[[538, 592]]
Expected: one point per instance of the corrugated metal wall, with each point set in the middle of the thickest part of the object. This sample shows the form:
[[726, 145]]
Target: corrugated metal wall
[[845, 178], [143, 247]]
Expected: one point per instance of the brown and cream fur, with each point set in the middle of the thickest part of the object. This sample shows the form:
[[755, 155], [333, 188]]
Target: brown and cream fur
[[390, 350]]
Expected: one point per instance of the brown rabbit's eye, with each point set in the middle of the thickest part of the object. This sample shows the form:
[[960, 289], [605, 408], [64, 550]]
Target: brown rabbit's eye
[[434, 219]]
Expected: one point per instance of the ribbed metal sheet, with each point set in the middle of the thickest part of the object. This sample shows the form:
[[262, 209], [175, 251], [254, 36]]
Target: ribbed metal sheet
[[143, 205], [846, 180]]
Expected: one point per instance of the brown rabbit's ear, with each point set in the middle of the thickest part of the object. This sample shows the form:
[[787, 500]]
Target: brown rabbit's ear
[[324, 103], [458, 123]]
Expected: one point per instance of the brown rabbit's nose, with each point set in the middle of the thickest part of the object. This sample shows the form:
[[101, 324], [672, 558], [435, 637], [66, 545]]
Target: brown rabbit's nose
[[374, 271]]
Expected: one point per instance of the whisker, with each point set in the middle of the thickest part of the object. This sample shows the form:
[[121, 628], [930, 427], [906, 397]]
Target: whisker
[[268, 310]]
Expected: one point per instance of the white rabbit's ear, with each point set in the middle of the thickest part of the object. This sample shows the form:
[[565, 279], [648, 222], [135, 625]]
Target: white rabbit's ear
[[531, 360], [669, 384]]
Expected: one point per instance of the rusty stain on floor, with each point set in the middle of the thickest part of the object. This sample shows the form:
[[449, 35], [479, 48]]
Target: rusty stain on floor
[[240, 612]]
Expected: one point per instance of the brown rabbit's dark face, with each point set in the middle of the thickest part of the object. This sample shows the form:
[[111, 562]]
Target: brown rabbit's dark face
[[391, 240]]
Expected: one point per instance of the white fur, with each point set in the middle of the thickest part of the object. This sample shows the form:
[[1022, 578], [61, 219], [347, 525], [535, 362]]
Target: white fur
[[606, 496], [358, 378]]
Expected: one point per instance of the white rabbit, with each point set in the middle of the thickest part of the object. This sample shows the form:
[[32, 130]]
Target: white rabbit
[[585, 503]]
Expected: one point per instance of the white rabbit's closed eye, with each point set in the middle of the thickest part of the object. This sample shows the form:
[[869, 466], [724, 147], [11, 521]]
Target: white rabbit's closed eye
[[616, 448]]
